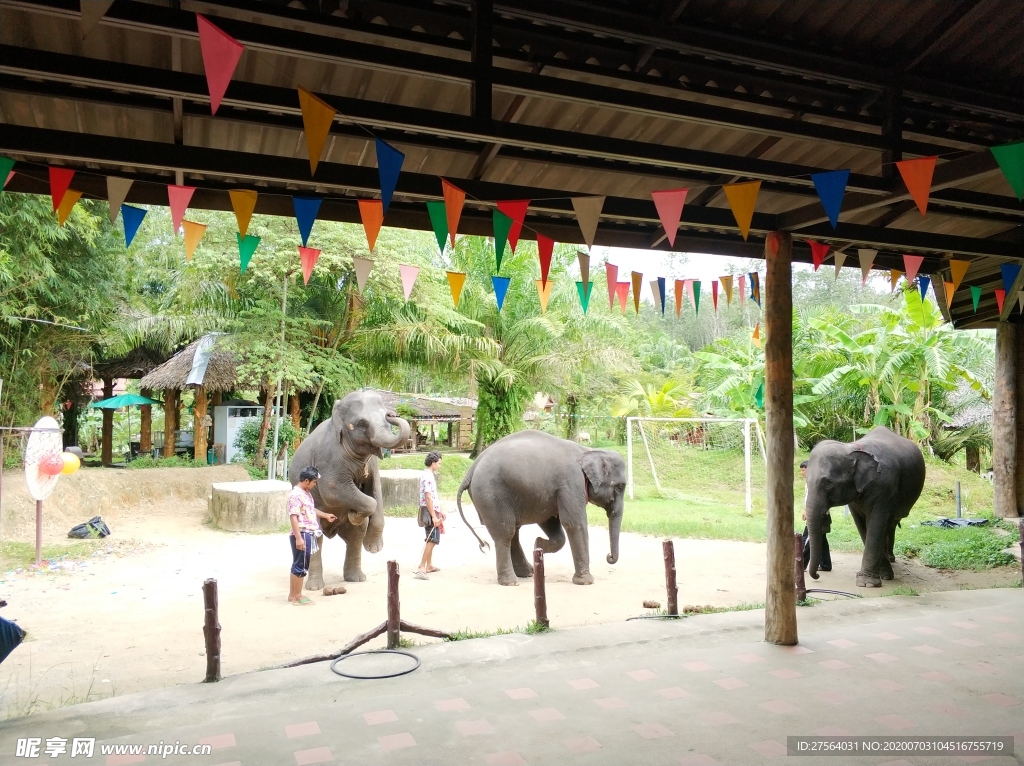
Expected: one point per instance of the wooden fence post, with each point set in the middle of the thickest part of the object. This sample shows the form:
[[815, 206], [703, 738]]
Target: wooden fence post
[[801, 584], [540, 599], [394, 617], [211, 630], [669, 551]]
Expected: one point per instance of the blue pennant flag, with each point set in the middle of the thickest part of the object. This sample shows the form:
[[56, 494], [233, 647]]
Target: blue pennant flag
[[923, 282], [661, 289], [500, 288], [831, 187], [389, 165], [1010, 272], [132, 217], [306, 209]]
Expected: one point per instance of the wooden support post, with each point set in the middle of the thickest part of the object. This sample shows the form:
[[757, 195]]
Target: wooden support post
[[146, 426], [540, 598], [668, 549], [780, 601], [1004, 423], [199, 428], [107, 432], [394, 617], [170, 412], [409, 627], [1019, 408], [801, 585], [481, 54], [1020, 525], [211, 631]]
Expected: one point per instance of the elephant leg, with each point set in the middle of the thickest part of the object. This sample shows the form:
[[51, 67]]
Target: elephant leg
[[858, 520], [556, 536], [315, 578], [874, 552], [503, 560], [579, 544], [886, 560], [354, 554], [520, 564]]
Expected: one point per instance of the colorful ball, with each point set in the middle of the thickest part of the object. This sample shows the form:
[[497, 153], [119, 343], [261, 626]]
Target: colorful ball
[[71, 463], [51, 464]]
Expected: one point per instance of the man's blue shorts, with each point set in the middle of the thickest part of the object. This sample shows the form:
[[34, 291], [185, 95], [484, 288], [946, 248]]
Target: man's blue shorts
[[300, 559]]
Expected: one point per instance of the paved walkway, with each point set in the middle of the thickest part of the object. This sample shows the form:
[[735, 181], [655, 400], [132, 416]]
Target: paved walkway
[[704, 690]]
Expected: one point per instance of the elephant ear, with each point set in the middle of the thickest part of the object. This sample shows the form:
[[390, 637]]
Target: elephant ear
[[595, 467], [866, 469]]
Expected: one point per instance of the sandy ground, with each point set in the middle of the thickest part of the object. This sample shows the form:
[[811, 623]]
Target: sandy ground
[[130, 619]]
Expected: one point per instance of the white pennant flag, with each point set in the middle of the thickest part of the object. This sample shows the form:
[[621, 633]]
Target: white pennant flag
[[117, 190], [363, 267], [588, 213], [840, 260], [867, 257]]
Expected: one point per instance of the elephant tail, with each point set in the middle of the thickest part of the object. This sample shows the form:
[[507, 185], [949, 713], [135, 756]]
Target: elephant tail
[[458, 504]]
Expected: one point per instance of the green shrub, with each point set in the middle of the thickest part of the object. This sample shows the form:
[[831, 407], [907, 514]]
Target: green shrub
[[967, 553], [248, 438], [165, 462]]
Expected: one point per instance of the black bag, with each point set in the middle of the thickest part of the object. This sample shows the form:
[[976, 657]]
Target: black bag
[[424, 519], [826, 523], [94, 527], [10, 636]]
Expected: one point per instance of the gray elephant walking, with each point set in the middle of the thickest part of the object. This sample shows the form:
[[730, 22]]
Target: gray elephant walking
[[345, 450], [532, 477], [880, 477]]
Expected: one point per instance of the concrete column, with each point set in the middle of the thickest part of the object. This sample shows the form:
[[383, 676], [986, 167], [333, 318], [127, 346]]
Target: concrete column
[[1004, 422]]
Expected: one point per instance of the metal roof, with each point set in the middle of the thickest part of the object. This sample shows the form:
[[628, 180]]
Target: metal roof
[[606, 97]]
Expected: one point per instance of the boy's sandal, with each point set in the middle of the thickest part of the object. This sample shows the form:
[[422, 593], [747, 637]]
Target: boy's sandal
[[420, 575], [302, 602], [432, 570]]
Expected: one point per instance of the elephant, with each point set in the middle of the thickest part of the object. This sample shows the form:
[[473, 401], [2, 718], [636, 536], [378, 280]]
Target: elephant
[[880, 477], [345, 450], [532, 477]]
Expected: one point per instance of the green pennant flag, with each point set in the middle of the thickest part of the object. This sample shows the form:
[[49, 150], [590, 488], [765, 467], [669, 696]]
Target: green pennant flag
[[759, 396], [6, 163], [502, 226], [1011, 161], [438, 221], [246, 247], [696, 296], [975, 296], [584, 294]]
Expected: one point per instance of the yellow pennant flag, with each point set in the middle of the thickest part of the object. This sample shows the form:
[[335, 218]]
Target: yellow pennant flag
[[958, 270], [727, 284], [637, 281], [742, 199], [894, 276], [243, 202], [544, 293], [64, 208], [317, 118], [756, 337], [949, 293], [456, 279], [193, 233]]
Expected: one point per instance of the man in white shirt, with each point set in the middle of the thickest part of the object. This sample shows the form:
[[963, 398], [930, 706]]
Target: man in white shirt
[[430, 515]]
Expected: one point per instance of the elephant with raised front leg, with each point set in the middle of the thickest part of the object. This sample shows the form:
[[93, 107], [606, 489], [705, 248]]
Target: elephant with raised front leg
[[880, 477], [345, 450], [532, 477]]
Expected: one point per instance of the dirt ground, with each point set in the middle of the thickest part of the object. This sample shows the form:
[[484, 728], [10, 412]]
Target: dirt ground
[[130, 617]]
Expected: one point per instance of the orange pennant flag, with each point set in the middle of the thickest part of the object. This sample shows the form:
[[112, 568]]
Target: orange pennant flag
[[317, 118], [680, 288], [372, 213], [243, 202], [544, 293], [917, 175], [727, 284], [637, 281], [454, 198], [949, 293], [456, 279], [742, 199], [66, 203], [958, 270], [756, 337], [193, 233], [308, 257], [894, 275]]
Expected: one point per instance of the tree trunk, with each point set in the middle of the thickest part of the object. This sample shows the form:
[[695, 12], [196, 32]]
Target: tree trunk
[[974, 460], [1019, 407], [107, 448], [199, 427], [1004, 423], [170, 420], [780, 602], [268, 405], [572, 405], [296, 415], [146, 424]]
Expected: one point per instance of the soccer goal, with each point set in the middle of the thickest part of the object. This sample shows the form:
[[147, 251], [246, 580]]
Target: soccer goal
[[704, 460]]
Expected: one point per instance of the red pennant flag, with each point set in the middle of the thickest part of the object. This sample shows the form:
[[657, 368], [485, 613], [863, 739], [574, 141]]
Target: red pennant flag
[[454, 198], [516, 210], [917, 175], [622, 293], [545, 246], [743, 288], [179, 197], [308, 256], [612, 275], [669, 203], [1000, 297], [714, 295], [60, 180], [911, 264], [371, 211], [818, 252], [220, 57]]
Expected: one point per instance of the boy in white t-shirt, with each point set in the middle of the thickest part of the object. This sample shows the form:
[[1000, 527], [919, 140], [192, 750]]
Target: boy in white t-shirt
[[430, 510]]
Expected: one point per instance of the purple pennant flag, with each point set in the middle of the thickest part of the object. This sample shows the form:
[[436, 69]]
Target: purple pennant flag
[[389, 165], [306, 209], [831, 187]]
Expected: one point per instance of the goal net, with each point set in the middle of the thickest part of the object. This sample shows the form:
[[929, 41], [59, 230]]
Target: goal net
[[706, 461]]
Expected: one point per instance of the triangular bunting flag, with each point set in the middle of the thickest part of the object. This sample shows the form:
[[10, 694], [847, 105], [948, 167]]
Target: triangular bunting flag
[[363, 267], [371, 212], [661, 294], [456, 280], [742, 285], [957, 271], [306, 209], [743, 199], [1010, 272], [220, 57], [1010, 158], [818, 252], [502, 225], [70, 199], [588, 214], [6, 163], [917, 175], [727, 285], [516, 210], [246, 247], [193, 233], [669, 204], [714, 295], [317, 118], [622, 293], [438, 222], [1020, 301], [243, 202], [544, 294], [132, 218], [975, 296], [454, 199], [755, 287], [759, 396], [654, 292], [92, 11], [922, 283], [831, 187], [867, 257], [894, 277], [1000, 297], [584, 261], [688, 285], [584, 293], [912, 263], [612, 275], [637, 281], [408, 274], [389, 166], [500, 289], [117, 191], [179, 198], [949, 294], [695, 289], [60, 180], [545, 246], [680, 289], [308, 257], [840, 259], [7, 180], [756, 337]]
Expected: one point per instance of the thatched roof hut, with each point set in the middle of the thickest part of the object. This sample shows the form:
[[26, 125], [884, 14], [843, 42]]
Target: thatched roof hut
[[221, 373], [136, 364]]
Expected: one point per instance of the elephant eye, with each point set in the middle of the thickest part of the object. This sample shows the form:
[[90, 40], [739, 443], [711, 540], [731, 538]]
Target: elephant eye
[[362, 423]]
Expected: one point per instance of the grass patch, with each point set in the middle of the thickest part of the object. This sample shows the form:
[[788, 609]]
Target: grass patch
[[453, 468], [15, 555], [532, 628], [902, 590], [402, 512], [165, 462], [743, 606]]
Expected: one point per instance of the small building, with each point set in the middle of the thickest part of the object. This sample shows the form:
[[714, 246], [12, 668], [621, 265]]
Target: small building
[[425, 415]]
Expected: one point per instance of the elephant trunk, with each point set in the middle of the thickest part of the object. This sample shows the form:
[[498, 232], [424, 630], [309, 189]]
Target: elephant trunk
[[385, 438], [614, 524], [814, 538]]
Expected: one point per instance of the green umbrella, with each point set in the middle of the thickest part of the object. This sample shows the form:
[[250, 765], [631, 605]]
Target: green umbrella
[[125, 400]]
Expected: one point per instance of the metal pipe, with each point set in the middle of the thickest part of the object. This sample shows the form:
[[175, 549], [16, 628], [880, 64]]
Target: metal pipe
[[958, 500], [272, 463]]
